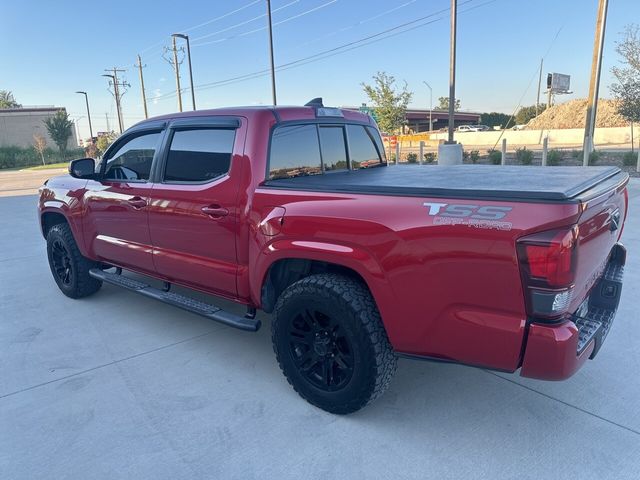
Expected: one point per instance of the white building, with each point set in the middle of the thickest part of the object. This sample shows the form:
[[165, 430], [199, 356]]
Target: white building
[[19, 125]]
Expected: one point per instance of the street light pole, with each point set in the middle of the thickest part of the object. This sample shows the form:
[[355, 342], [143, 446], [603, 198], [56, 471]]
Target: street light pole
[[193, 92], [86, 99], [452, 70], [273, 69], [430, 104]]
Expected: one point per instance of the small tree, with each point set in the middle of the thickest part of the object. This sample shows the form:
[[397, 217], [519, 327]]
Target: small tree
[[60, 130], [390, 104], [526, 114], [40, 144], [443, 104], [627, 90], [7, 100], [104, 141]]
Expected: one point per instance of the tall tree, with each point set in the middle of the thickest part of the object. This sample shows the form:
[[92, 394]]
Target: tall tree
[[390, 104], [495, 119], [7, 100], [443, 104], [60, 130], [627, 89]]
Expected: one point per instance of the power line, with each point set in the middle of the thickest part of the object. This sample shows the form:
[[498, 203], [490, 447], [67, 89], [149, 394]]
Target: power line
[[244, 22], [357, 24], [208, 22], [390, 32], [288, 19]]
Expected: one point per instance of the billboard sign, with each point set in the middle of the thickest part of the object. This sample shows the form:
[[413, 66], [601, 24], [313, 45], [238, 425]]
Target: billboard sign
[[560, 83]]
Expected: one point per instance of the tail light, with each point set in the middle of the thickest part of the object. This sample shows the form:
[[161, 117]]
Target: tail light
[[547, 266]]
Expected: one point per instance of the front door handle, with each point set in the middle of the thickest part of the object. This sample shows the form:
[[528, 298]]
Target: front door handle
[[215, 211], [137, 202]]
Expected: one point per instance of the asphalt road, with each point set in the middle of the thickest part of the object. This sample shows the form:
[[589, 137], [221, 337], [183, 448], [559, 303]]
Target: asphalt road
[[119, 386]]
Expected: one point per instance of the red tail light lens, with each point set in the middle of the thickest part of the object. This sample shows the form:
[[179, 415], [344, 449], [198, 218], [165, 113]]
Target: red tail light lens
[[550, 257], [547, 266]]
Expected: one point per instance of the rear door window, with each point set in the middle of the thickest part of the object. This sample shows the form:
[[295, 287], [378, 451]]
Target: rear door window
[[333, 147], [295, 152], [199, 155], [362, 148]]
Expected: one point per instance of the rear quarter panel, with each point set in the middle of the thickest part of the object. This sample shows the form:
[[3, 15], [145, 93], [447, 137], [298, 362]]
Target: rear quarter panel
[[446, 291]]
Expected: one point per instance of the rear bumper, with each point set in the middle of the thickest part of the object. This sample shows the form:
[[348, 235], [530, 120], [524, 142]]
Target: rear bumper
[[555, 352]]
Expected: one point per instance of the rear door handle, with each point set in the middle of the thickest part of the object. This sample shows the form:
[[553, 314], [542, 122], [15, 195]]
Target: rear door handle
[[215, 211], [137, 202]]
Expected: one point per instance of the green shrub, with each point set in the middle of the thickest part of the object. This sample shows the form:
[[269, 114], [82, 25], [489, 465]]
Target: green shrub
[[430, 157], [577, 154], [474, 155], [412, 157], [629, 159], [594, 157], [554, 157], [524, 156], [20, 157], [495, 156]]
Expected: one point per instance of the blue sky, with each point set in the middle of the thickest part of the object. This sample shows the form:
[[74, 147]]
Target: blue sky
[[51, 49]]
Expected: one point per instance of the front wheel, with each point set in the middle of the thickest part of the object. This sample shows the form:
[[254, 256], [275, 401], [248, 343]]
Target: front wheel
[[69, 268], [330, 343]]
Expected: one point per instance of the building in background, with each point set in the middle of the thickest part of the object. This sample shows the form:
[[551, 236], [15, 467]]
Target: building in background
[[417, 119], [19, 125]]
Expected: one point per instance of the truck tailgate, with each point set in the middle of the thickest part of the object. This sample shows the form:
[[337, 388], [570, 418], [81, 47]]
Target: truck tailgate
[[604, 209]]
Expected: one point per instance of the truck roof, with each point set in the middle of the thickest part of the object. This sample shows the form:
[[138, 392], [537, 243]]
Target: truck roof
[[280, 113]]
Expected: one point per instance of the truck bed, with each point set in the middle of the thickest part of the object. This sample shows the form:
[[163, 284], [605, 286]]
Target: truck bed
[[524, 183]]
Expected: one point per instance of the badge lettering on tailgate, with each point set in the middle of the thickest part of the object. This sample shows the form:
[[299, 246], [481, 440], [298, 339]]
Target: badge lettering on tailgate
[[476, 216]]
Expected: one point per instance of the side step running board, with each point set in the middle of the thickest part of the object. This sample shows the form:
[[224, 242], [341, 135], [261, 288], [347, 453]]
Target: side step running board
[[181, 301]]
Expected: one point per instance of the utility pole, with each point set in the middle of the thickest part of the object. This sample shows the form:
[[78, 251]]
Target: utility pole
[[539, 85], [193, 92], [594, 84], [106, 117], [144, 95], [117, 93], [273, 69], [176, 67], [452, 70]]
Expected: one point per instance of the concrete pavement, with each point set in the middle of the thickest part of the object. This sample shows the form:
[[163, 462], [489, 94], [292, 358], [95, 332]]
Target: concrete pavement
[[119, 386], [25, 182]]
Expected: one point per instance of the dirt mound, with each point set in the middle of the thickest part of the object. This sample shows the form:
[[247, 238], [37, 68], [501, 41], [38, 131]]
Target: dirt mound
[[572, 115]]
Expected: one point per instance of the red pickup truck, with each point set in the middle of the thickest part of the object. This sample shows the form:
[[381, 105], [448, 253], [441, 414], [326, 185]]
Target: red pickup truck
[[295, 211]]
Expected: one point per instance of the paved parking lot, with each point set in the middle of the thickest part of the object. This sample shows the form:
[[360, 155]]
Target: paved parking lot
[[118, 386]]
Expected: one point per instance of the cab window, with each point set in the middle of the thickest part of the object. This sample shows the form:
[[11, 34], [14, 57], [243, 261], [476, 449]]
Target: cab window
[[362, 148], [132, 160], [295, 152], [199, 155], [333, 147]]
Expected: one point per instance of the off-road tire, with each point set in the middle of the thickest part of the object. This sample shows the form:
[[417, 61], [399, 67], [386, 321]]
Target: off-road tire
[[353, 309], [74, 281]]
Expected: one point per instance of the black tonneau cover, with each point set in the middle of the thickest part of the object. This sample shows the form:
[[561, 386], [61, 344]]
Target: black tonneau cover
[[532, 183]]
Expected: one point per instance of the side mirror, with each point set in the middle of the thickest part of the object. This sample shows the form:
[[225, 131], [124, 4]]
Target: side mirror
[[82, 168]]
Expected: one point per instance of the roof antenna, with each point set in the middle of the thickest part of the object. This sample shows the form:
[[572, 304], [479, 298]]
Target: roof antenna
[[316, 102]]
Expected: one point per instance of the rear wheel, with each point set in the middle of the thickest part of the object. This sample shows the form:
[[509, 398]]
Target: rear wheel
[[331, 344], [69, 268]]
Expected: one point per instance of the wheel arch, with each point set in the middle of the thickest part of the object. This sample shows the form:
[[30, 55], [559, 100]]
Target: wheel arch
[[285, 262], [48, 219]]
